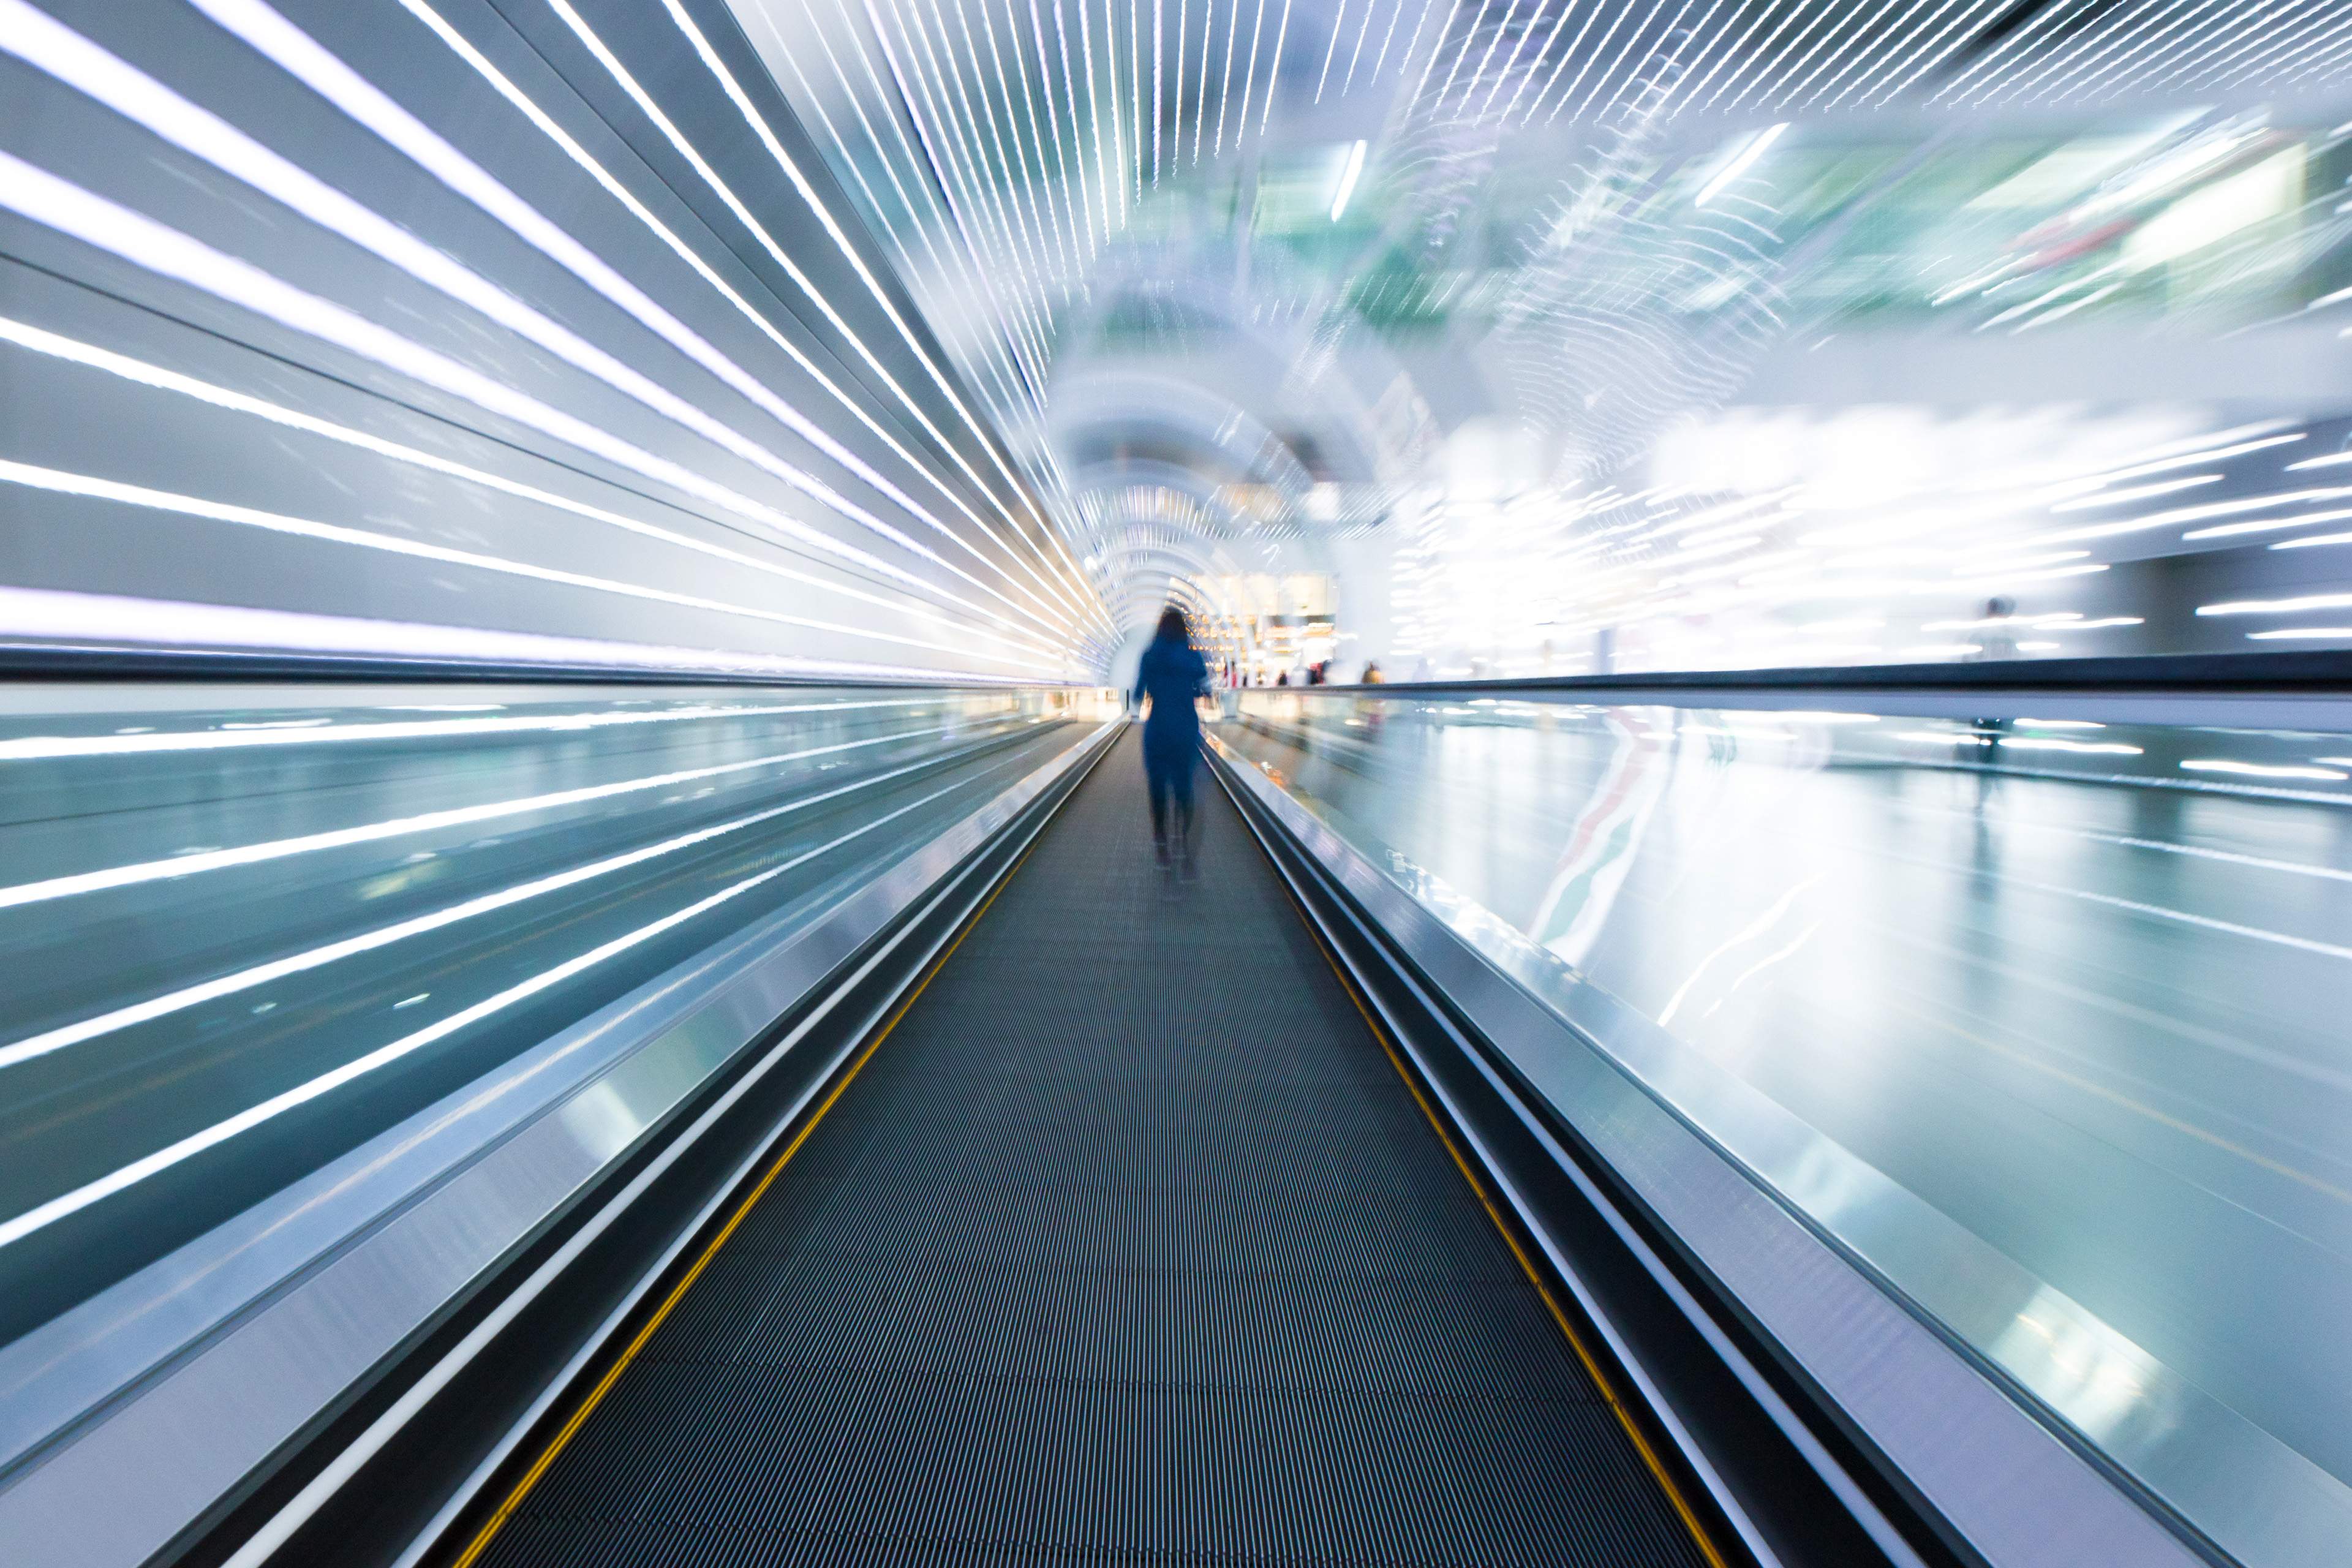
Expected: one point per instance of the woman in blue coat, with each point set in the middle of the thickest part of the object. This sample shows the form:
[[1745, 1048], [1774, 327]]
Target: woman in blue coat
[[1174, 676]]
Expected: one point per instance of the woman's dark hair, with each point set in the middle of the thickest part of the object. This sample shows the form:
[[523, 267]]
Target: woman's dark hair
[[1172, 628]]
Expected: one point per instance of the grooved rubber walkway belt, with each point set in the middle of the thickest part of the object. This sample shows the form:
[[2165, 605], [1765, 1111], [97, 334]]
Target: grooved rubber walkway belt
[[1125, 1244]]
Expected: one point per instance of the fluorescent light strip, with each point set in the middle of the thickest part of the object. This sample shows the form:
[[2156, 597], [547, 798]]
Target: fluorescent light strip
[[2278, 607], [1510, 61], [1959, 30], [1068, 236], [45, 199], [1720, 46], [2052, 743], [2263, 770], [1339, 22], [173, 742], [73, 61], [1135, 88], [90, 356], [1100, 85], [1064, 160], [984, 189], [60, 483], [1380, 61], [1200, 93], [1348, 178], [44, 1215], [1852, 54], [999, 351], [2269, 524], [1754, 59], [2016, 40], [1050, 238], [758, 125], [1567, 9], [395, 123], [1739, 164], [1225, 86], [2194, 514], [174, 868], [2190, 459], [1769, 81], [1615, 22], [824, 217], [1176, 96], [1274, 70], [2230, 49], [981, 279], [1898, 53], [1038, 231], [2201, 18], [373, 109], [50, 1041], [1363, 33], [2135, 493], [949, 177], [47, 618], [943, 166], [1469, 35], [1573, 51]]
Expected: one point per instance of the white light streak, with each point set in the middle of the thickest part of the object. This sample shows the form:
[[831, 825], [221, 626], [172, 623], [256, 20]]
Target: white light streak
[[1274, 71], [43, 197], [1739, 164], [77, 352], [151, 742], [97, 488], [2262, 770], [2278, 607], [2053, 743], [2136, 493], [174, 868], [47, 1214], [1348, 178], [2270, 524]]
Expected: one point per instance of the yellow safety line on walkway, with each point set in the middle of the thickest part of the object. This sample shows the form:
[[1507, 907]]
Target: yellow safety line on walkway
[[1510, 1238], [605, 1384]]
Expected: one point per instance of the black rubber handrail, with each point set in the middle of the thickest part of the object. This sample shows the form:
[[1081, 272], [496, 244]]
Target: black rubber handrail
[[2301, 671], [2308, 672], [130, 662]]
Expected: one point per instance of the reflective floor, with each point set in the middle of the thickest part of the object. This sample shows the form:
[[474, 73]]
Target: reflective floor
[[2091, 1004], [243, 932]]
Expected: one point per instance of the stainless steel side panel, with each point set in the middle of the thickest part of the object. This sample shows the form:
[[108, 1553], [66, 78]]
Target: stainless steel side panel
[[135, 1413], [2022, 1495]]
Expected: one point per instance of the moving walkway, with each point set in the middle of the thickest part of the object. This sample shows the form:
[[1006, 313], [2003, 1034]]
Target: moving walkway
[[969, 1189], [1127, 1238]]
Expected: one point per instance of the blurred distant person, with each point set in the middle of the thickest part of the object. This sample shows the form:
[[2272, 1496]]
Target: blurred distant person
[[1174, 676], [1993, 642], [1283, 678]]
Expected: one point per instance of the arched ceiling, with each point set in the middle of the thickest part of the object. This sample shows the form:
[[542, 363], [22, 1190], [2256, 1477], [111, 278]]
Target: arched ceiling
[[1243, 269]]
